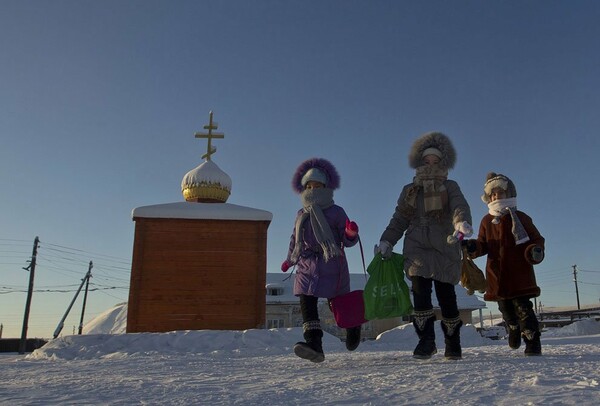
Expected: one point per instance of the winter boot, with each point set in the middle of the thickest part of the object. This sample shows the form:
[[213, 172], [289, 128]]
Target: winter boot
[[352, 338], [424, 326], [451, 329], [312, 349], [514, 336], [530, 327], [533, 346]]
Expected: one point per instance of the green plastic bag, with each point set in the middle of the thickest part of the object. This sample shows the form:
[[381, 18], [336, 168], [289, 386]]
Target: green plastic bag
[[386, 292]]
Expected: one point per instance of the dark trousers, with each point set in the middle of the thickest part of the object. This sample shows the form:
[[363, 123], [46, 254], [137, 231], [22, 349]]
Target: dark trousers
[[446, 296], [519, 311], [309, 308]]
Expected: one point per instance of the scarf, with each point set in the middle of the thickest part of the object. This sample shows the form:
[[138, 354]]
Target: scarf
[[500, 207], [314, 201], [435, 196]]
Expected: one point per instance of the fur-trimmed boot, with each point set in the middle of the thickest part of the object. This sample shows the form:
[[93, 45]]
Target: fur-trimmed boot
[[530, 327], [352, 338], [312, 349], [533, 345], [451, 329], [424, 326]]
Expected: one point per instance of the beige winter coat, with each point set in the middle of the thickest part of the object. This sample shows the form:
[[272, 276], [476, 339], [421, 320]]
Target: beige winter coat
[[426, 251]]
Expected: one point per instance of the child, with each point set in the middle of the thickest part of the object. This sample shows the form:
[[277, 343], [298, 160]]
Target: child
[[429, 210], [512, 245], [322, 230]]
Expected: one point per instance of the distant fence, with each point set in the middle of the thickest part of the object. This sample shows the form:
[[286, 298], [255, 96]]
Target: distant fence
[[563, 318], [12, 344], [571, 314]]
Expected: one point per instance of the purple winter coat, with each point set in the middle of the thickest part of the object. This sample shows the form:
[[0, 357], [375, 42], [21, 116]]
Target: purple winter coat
[[314, 276]]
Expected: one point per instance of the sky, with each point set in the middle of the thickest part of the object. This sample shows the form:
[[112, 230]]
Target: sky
[[100, 101], [104, 366]]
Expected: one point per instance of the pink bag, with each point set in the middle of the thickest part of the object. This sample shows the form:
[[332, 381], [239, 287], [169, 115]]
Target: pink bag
[[348, 309]]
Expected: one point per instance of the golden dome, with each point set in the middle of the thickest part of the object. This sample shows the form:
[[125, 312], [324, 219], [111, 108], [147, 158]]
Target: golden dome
[[206, 183]]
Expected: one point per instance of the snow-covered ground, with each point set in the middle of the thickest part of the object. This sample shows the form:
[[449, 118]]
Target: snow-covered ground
[[258, 367]]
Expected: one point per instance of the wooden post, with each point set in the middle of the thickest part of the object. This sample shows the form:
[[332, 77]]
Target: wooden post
[[87, 284], [61, 324], [31, 269], [576, 288]]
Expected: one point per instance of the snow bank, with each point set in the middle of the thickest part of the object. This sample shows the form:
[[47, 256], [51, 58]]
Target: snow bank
[[577, 328]]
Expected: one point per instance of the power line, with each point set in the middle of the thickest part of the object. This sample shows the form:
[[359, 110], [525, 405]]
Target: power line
[[589, 283], [64, 260], [95, 254], [63, 290]]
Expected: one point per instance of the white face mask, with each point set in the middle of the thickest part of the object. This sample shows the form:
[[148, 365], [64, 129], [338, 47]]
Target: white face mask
[[498, 207]]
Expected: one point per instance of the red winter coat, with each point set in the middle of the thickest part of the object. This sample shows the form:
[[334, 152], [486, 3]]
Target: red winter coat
[[509, 269]]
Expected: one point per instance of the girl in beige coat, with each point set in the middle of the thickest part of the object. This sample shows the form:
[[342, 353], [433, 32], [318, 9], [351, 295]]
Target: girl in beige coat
[[430, 210]]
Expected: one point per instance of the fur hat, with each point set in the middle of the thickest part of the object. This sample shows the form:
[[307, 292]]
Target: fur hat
[[318, 169], [497, 180], [430, 142]]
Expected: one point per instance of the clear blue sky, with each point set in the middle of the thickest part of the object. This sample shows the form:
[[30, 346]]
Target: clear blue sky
[[100, 100]]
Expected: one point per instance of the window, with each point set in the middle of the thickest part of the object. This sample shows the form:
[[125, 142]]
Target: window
[[274, 290], [275, 323]]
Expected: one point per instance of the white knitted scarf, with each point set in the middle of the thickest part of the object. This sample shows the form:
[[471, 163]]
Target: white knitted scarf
[[499, 208]]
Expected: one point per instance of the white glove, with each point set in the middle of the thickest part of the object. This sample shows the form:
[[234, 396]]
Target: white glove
[[464, 228], [384, 248]]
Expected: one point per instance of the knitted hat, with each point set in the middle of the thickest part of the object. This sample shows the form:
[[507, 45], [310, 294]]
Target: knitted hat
[[317, 169], [497, 180], [430, 143], [314, 174], [432, 151]]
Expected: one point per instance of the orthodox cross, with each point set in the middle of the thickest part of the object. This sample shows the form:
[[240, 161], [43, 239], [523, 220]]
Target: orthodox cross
[[210, 135]]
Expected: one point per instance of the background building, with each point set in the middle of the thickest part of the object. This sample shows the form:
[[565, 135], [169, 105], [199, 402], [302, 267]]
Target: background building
[[283, 308]]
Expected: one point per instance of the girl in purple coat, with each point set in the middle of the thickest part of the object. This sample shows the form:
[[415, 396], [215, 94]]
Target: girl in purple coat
[[322, 230]]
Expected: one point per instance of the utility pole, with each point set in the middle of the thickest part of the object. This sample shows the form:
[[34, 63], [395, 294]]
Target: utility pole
[[61, 324], [31, 269], [87, 284], [576, 288]]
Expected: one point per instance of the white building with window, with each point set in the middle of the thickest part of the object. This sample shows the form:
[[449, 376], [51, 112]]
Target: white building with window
[[283, 308]]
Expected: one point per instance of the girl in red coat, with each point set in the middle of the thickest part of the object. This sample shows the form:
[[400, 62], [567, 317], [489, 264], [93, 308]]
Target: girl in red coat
[[513, 245]]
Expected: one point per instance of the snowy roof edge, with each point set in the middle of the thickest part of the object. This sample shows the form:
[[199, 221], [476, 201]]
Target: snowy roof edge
[[207, 211]]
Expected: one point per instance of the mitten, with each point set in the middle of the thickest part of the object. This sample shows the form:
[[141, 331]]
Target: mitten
[[384, 248], [461, 230], [535, 254], [464, 228], [351, 229], [455, 237], [285, 266]]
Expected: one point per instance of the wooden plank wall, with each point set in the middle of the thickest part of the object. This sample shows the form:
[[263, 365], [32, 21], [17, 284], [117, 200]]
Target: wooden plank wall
[[197, 274]]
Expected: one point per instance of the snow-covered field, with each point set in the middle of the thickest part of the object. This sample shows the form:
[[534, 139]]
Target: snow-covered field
[[258, 367]]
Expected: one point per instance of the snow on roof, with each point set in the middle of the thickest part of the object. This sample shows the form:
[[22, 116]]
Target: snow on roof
[[206, 172], [207, 211]]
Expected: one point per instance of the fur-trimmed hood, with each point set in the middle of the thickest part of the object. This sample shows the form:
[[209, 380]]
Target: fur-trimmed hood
[[333, 178], [432, 140]]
